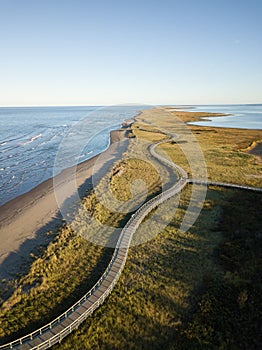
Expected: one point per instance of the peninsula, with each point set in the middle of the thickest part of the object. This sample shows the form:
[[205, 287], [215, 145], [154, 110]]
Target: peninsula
[[174, 282]]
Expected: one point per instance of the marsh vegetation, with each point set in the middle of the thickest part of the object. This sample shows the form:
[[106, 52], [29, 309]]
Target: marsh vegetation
[[198, 289]]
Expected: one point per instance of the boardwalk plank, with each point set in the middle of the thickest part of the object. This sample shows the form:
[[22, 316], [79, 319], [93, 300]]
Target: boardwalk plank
[[81, 309], [92, 298], [89, 305]]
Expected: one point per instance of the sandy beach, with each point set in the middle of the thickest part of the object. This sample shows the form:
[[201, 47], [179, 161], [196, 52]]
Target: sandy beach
[[25, 220]]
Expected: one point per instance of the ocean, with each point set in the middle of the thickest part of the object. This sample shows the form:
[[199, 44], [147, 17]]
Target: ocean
[[30, 138]]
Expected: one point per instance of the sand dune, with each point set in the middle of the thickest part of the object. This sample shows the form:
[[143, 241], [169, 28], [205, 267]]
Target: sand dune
[[25, 220]]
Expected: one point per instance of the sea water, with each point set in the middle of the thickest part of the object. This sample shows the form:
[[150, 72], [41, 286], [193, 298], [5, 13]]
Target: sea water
[[30, 138], [248, 116]]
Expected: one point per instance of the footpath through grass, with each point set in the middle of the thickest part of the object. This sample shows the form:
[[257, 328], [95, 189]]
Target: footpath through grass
[[194, 290], [226, 151], [71, 264]]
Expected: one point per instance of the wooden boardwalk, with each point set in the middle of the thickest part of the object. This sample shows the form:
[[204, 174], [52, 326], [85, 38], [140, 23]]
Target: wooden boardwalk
[[63, 325], [59, 328], [224, 184]]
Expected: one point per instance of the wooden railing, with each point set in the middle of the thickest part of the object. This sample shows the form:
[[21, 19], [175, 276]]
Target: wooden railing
[[224, 184], [50, 334], [59, 328]]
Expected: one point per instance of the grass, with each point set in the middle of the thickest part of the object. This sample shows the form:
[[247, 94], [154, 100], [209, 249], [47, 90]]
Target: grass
[[158, 302], [148, 305], [224, 149], [71, 264], [55, 280], [127, 172], [177, 291], [228, 311]]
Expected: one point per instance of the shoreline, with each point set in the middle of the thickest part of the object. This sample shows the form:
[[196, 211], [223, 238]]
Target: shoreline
[[208, 122], [197, 248], [36, 212], [205, 118]]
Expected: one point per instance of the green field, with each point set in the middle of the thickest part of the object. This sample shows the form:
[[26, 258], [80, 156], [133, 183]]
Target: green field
[[194, 290]]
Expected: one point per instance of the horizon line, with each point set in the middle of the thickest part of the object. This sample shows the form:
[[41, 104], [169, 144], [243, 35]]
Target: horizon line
[[132, 104]]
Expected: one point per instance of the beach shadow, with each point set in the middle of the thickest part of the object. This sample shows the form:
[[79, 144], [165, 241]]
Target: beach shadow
[[66, 303], [18, 263]]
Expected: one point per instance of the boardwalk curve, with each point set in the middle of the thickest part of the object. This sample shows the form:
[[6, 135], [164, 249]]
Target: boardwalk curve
[[63, 325], [59, 328]]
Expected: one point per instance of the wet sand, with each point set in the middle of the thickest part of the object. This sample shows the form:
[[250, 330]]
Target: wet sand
[[25, 220]]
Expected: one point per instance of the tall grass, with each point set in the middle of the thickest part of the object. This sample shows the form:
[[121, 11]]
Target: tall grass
[[177, 291], [224, 149], [157, 302]]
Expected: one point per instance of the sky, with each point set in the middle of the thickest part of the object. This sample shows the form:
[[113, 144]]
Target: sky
[[104, 52]]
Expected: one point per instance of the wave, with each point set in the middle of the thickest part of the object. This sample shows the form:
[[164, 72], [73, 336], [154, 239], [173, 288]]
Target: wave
[[11, 138], [32, 139], [83, 155], [35, 137], [7, 182], [32, 145]]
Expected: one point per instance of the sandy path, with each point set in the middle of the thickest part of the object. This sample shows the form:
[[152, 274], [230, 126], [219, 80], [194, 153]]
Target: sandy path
[[25, 220]]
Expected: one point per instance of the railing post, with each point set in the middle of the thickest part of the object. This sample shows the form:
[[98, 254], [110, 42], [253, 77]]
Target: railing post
[[126, 233]]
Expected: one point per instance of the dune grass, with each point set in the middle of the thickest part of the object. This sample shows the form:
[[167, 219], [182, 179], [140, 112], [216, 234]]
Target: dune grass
[[157, 302], [194, 290], [65, 271], [225, 150], [228, 311], [71, 264]]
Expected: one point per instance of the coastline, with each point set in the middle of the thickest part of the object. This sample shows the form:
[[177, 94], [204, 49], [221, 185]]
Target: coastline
[[36, 212], [26, 219], [37, 287]]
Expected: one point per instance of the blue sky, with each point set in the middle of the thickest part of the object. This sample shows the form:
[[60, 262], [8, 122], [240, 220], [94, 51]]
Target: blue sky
[[82, 52]]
